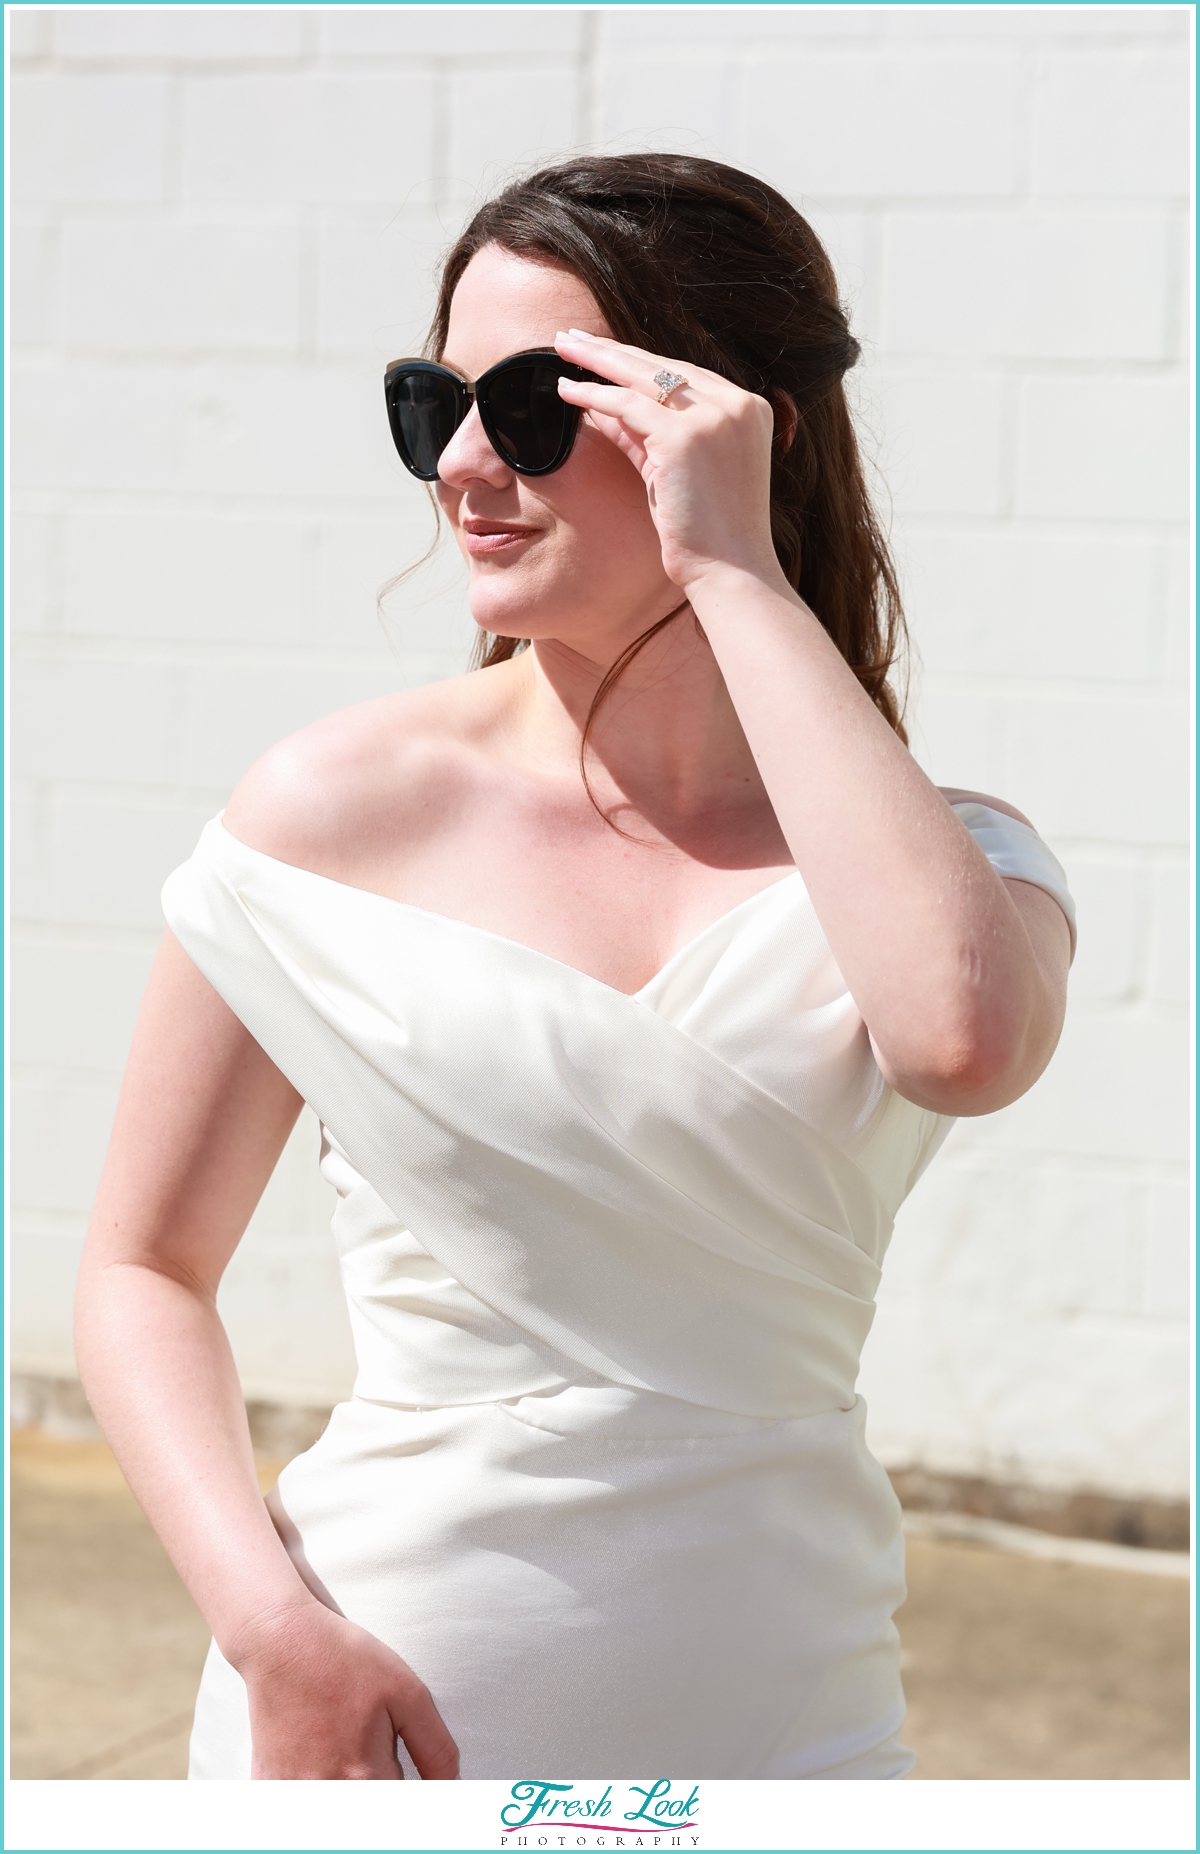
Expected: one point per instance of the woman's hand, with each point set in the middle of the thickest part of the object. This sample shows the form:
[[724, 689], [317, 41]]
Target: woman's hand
[[328, 1701], [704, 456]]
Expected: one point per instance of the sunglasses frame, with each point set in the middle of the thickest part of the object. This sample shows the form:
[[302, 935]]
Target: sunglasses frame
[[468, 392]]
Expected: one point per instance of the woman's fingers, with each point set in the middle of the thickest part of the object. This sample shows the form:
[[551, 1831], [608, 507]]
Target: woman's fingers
[[702, 448], [426, 1736], [620, 402], [629, 366]]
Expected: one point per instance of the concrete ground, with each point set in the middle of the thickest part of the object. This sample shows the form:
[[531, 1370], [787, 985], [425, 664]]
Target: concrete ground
[[1013, 1667]]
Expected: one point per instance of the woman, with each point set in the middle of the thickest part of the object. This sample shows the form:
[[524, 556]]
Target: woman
[[634, 978]]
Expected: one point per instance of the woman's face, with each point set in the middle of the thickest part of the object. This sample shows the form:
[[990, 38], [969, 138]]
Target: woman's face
[[574, 555]]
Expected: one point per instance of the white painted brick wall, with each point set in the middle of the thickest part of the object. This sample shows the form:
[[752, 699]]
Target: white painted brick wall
[[224, 223]]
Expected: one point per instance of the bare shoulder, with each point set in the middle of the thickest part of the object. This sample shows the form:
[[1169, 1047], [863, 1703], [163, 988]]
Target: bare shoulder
[[361, 781], [953, 795]]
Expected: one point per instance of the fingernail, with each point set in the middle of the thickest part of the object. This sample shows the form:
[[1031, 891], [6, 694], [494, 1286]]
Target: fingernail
[[582, 333]]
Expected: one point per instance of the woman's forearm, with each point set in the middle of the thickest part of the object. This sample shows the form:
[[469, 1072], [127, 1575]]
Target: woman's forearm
[[930, 942], [158, 1371], [202, 1119]]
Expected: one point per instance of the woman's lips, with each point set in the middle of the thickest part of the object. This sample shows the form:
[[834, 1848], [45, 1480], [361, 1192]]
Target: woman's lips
[[492, 537]]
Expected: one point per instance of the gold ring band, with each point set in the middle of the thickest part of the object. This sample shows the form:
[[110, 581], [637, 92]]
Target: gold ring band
[[667, 382]]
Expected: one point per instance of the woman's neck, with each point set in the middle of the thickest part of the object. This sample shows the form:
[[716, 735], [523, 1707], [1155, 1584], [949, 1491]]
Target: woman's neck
[[666, 739]]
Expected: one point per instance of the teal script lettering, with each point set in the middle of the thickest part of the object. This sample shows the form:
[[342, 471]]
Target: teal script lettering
[[547, 1801], [535, 1794], [659, 1806]]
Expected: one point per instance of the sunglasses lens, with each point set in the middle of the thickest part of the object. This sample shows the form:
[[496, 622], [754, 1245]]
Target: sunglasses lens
[[424, 412], [526, 419]]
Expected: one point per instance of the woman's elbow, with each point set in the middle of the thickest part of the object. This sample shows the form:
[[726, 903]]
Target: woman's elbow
[[982, 1062]]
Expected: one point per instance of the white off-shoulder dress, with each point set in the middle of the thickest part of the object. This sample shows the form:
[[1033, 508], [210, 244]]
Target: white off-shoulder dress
[[610, 1263]]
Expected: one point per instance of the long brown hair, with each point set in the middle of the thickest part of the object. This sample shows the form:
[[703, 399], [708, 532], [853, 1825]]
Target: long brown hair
[[694, 259]]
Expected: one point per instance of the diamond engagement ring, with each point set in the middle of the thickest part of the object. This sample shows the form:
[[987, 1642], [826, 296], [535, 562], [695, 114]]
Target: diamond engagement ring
[[668, 381]]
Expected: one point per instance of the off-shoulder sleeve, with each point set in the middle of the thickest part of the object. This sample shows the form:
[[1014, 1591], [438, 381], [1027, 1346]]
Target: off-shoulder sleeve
[[195, 905], [1015, 849]]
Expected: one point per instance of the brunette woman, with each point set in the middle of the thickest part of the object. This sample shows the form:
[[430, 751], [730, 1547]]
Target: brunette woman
[[634, 976]]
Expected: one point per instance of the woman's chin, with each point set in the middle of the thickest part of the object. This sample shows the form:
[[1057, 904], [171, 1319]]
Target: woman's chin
[[498, 623], [509, 617]]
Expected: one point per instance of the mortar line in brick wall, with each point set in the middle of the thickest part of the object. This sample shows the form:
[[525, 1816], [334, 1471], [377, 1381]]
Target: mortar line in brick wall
[[394, 499], [56, 574], [456, 63], [1137, 1008], [472, 63], [1174, 855], [1136, 1013], [183, 208], [50, 1075], [885, 365], [872, 284], [439, 139], [1153, 687], [904, 363], [1068, 527], [173, 125], [156, 797], [50, 273], [995, 205], [1137, 1253], [28, 931], [41, 646], [1008, 445], [162, 65], [1147, 924], [353, 363], [310, 54], [1105, 1325], [938, 36], [1024, 88], [68, 1223], [1159, 627], [1003, 205], [37, 647], [987, 1161], [308, 263], [1133, 1013], [231, 213], [1178, 293], [913, 1299], [1079, 689], [245, 507], [587, 54]]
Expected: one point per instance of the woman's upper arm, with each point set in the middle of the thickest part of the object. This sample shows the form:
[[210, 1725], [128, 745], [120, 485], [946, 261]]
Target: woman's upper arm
[[1044, 920], [1036, 1016], [1030, 1018], [202, 1118]]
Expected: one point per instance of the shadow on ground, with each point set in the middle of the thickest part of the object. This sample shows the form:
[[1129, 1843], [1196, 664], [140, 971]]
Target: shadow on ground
[[1013, 1667]]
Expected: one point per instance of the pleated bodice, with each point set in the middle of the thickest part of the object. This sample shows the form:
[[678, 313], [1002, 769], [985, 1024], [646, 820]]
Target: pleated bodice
[[628, 1220]]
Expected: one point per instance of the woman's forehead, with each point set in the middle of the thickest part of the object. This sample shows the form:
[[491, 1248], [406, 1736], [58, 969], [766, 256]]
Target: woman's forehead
[[505, 301]]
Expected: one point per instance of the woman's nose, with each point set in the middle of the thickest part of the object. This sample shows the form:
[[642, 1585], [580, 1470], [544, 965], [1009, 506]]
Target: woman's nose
[[469, 457]]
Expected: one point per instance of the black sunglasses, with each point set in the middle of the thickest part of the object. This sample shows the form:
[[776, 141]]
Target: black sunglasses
[[526, 422]]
